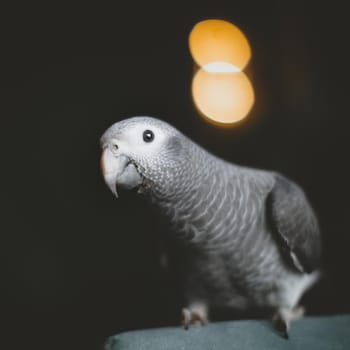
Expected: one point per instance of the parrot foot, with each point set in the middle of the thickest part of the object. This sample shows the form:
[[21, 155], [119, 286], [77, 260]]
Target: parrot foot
[[283, 317], [194, 315]]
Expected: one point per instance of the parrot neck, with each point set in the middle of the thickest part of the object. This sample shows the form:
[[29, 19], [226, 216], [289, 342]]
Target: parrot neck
[[182, 175], [186, 190]]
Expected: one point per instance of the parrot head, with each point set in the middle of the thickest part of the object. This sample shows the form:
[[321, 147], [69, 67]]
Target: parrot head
[[137, 151]]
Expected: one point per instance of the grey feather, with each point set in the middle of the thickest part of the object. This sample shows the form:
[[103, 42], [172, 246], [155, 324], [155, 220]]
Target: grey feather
[[296, 223]]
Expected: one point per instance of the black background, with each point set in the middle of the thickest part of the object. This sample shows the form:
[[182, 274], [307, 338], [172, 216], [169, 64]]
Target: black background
[[78, 265]]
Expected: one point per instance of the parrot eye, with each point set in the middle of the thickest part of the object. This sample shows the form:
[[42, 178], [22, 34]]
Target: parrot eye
[[148, 136]]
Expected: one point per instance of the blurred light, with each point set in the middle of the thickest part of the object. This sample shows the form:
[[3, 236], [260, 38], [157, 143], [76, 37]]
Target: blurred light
[[216, 40], [220, 90], [220, 67], [223, 97]]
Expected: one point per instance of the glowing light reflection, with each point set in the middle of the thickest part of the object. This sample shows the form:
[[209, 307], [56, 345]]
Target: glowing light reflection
[[220, 67], [224, 98], [216, 40], [220, 90]]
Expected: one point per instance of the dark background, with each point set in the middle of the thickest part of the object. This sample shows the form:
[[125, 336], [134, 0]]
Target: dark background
[[77, 265]]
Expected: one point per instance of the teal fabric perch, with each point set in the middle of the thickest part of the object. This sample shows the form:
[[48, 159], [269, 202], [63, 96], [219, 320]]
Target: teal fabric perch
[[321, 333]]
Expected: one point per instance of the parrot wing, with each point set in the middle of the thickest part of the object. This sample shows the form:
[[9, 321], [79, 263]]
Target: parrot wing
[[294, 224]]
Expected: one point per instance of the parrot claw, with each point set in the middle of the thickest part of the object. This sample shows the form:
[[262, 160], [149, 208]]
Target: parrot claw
[[282, 326], [283, 318], [193, 317]]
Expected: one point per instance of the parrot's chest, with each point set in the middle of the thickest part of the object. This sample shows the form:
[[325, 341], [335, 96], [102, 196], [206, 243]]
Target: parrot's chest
[[231, 258], [233, 277]]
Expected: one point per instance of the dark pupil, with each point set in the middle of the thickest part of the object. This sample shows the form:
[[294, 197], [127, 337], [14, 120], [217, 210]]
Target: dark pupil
[[148, 136]]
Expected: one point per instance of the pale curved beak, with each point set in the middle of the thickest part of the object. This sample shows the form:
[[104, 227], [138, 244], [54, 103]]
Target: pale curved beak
[[111, 168], [118, 170]]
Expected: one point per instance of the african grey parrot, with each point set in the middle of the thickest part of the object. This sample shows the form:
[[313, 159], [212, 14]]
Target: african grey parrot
[[250, 237]]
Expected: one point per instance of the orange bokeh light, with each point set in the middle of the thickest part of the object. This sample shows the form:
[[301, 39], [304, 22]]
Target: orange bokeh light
[[217, 41], [225, 98]]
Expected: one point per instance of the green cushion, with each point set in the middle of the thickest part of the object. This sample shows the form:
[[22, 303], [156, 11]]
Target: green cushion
[[332, 332]]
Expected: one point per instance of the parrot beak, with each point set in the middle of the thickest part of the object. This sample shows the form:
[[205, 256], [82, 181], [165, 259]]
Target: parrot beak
[[111, 168], [118, 170]]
